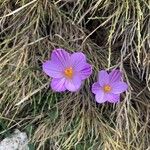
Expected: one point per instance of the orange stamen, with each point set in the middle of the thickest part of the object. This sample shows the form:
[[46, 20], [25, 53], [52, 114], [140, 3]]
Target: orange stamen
[[68, 72], [107, 88]]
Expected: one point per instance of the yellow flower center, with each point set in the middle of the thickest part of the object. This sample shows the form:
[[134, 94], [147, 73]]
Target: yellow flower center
[[68, 72], [107, 88]]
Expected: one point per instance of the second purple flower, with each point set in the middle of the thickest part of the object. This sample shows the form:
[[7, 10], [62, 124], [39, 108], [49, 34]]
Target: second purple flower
[[67, 70], [109, 86]]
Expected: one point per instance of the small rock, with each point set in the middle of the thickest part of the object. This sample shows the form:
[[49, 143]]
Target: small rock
[[17, 141]]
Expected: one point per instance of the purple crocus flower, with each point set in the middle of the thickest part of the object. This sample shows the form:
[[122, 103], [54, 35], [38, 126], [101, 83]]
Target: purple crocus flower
[[67, 70], [109, 87]]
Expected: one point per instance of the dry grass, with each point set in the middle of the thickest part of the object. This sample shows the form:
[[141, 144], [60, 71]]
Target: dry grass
[[112, 33]]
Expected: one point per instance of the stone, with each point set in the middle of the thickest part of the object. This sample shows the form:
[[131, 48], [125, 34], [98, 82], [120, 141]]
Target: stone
[[17, 141]]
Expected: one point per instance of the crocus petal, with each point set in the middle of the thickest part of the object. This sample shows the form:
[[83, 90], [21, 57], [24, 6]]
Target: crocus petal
[[61, 57], [112, 98], [100, 97], [52, 69], [119, 87], [73, 84], [58, 84], [96, 88], [83, 69], [115, 76], [103, 77], [77, 58]]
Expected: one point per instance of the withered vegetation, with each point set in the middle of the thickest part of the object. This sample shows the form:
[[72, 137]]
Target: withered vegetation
[[113, 34]]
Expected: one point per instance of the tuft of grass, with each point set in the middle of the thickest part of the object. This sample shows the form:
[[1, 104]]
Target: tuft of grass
[[113, 34]]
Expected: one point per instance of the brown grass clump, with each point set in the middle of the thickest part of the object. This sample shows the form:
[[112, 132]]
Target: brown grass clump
[[112, 33]]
